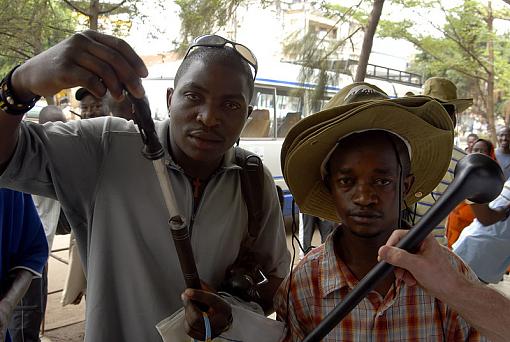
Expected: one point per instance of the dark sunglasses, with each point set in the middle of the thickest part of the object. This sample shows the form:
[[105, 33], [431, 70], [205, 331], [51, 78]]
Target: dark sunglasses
[[213, 40]]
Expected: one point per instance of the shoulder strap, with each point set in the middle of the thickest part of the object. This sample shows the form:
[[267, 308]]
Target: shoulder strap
[[252, 187]]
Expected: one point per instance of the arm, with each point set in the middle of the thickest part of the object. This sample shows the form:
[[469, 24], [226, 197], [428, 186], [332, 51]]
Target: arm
[[93, 60], [488, 216], [481, 306], [20, 284]]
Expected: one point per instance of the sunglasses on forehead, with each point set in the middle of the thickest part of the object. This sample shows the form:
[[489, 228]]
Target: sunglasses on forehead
[[212, 40]]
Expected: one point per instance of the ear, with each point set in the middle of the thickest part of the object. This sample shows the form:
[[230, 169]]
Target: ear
[[408, 183], [250, 110], [169, 94]]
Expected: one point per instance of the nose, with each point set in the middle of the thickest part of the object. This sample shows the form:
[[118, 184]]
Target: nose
[[364, 195], [208, 116]]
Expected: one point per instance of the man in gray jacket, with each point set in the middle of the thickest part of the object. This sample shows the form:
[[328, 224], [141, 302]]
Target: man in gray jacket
[[109, 191]]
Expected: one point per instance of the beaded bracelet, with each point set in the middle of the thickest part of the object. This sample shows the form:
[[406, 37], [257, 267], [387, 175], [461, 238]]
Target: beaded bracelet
[[9, 102]]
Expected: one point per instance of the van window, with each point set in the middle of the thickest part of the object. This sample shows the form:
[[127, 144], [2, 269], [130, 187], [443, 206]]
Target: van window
[[260, 124], [289, 110]]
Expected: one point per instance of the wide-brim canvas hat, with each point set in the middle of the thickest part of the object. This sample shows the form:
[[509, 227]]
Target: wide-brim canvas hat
[[443, 89], [420, 121]]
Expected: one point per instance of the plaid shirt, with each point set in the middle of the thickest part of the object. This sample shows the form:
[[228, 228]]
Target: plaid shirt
[[321, 281]]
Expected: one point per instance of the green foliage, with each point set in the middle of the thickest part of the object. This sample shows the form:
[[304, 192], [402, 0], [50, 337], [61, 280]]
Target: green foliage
[[457, 49], [203, 17], [29, 27]]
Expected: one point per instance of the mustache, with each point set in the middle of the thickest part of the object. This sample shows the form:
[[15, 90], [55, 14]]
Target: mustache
[[365, 213]]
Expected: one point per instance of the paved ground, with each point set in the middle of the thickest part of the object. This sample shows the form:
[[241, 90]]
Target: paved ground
[[62, 323], [66, 324]]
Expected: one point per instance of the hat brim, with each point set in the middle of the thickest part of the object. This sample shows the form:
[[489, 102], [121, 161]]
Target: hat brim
[[421, 121], [461, 104]]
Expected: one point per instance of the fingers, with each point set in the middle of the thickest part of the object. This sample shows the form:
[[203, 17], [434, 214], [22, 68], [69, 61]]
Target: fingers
[[397, 257], [88, 79], [113, 65], [219, 312], [123, 48]]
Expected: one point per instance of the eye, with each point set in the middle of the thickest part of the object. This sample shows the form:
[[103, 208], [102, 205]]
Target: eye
[[383, 181], [344, 181], [192, 96], [232, 105]]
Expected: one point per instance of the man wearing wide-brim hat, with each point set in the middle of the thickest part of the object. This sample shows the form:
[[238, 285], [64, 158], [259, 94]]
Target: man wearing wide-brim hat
[[359, 162], [443, 90]]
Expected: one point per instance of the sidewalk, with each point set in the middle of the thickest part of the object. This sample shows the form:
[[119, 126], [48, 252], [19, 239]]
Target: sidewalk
[[62, 323]]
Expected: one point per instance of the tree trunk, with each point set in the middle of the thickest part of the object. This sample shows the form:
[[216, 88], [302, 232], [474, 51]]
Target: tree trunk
[[94, 14], [368, 40], [490, 81]]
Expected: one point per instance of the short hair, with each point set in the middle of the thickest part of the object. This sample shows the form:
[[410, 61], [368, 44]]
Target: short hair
[[51, 113], [501, 129], [487, 143], [224, 55], [472, 135]]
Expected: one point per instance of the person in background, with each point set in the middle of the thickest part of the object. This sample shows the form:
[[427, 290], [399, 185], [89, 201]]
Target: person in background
[[120, 109], [503, 150], [90, 105], [471, 138], [307, 226], [484, 244], [24, 252], [463, 214], [445, 91], [29, 313]]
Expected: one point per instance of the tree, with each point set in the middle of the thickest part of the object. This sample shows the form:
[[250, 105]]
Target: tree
[[462, 48], [29, 27], [204, 16], [94, 9], [368, 40]]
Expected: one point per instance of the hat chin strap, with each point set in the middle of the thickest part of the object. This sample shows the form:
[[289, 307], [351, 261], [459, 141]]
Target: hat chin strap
[[400, 180]]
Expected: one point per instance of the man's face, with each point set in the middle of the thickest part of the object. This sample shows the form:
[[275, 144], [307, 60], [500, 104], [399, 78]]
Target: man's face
[[470, 141], [504, 138], [92, 107], [208, 110], [364, 184], [481, 147]]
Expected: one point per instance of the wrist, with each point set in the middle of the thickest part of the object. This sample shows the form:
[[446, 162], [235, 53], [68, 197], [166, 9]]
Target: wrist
[[454, 284], [18, 83], [13, 100]]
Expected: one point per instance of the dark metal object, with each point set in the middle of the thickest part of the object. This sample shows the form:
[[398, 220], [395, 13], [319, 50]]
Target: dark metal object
[[152, 146], [182, 241], [153, 150], [477, 177]]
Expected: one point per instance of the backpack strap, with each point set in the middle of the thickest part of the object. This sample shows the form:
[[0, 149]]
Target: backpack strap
[[252, 187]]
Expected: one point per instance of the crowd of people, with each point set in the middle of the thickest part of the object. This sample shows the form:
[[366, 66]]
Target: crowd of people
[[366, 168]]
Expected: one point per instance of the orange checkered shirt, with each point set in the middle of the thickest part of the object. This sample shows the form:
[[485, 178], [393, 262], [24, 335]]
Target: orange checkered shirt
[[406, 313]]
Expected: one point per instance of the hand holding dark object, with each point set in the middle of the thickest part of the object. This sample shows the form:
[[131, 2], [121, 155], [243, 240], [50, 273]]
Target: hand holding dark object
[[430, 266], [90, 59], [219, 313]]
